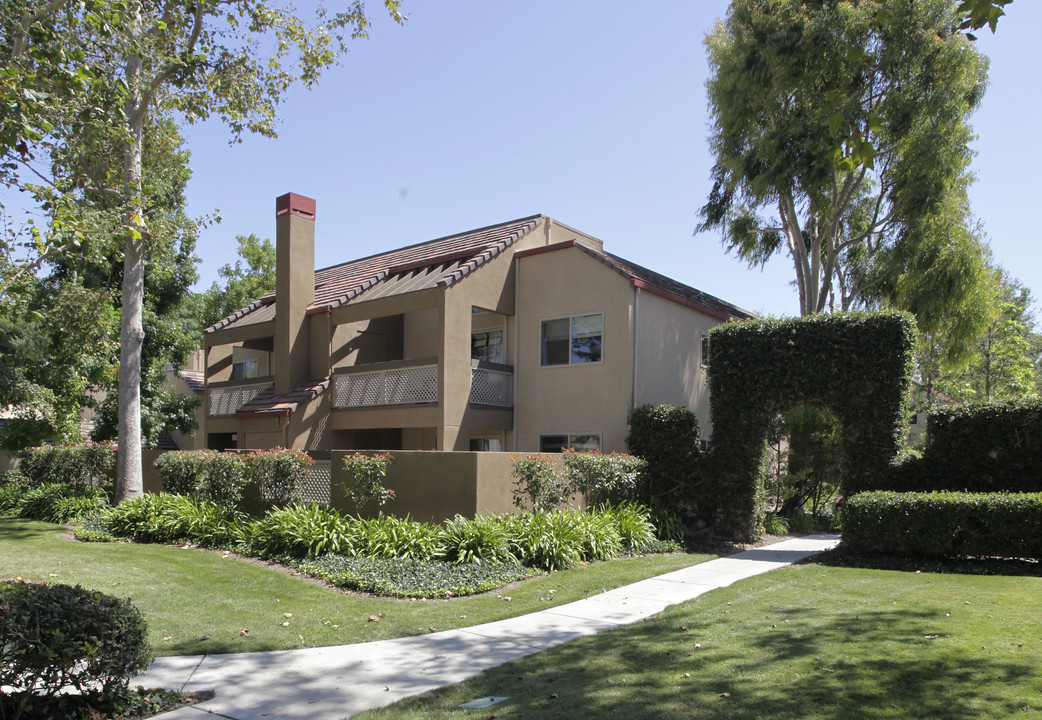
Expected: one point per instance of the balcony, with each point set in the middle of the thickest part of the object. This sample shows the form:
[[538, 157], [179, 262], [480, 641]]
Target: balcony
[[491, 384], [227, 398], [402, 382]]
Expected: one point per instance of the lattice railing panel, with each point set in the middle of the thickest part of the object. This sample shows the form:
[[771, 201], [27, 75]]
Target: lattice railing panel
[[491, 387], [402, 386], [227, 401], [315, 488]]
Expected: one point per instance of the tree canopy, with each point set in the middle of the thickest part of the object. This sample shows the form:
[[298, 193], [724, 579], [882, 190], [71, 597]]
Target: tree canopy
[[840, 137]]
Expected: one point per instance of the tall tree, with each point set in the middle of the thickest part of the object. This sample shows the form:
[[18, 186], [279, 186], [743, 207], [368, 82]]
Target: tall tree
[[104, 68], [241, 283], [848, 121]]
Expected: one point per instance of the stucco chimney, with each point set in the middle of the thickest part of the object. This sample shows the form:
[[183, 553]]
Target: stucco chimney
[[294, 288]]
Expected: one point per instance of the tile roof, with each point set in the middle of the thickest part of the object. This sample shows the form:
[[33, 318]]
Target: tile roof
[[196, 380], [268, 403], [459, 255]]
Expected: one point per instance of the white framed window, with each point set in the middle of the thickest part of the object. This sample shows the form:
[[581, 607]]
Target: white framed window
[[572, 340], [487, 345], [245, 369], [574, 441]]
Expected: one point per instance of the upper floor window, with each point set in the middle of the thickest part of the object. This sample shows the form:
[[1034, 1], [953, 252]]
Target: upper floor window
[[245, 369], [487, 345], [571, 340]]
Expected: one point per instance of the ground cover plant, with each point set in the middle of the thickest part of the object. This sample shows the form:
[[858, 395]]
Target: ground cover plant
[[801, 643], [198, 601]]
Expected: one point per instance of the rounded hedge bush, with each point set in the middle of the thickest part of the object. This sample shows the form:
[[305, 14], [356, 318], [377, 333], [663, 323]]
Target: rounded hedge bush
[[57, 637]]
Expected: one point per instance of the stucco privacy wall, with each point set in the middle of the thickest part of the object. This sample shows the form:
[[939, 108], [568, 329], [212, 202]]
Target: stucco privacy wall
[[580, 398]]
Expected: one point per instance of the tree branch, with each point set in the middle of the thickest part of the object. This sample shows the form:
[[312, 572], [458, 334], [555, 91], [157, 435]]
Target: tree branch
[[29, 20]]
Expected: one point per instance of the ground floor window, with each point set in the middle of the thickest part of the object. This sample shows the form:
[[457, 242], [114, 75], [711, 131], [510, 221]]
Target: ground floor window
[[486, 444], [578, 441]]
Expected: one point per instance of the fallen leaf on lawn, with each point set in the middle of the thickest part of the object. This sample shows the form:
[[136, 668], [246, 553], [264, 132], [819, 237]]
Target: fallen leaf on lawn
[[724, 695], [285, 624], [169, 637], [686, 675], [698, 645], [287, 615], [244, 632], [373, 618], [53, 574], [948, 613], [931, 637], [432, 628], [462, 617], [448, 593], [828, 670], [302, 640], [380, 615], [683, 627], [552, 696], [204, 637], [325, 622]]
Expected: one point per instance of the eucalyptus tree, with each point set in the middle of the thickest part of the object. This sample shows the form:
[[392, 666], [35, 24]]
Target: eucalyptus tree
[[841, 138], [103, 67]]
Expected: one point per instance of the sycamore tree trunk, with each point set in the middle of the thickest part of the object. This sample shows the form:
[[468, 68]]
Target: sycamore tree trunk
[[132, 333]]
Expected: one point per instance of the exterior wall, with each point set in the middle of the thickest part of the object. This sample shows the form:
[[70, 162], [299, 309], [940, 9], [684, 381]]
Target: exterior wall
[[579, 398], [197, 440], [420, 334], [668, 352]]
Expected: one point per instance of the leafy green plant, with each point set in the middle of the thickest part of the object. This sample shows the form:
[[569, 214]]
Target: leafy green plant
[[367, 473], [61, 503], [668, 525], [300, 530], [13, 486], [216, 476], [89, 464], [55, 637], [387, 536], [411, 577], [537, 483], [548, 540], [279, 473], [173, 518], [634, 525], [482, 539], [774, 524], [947, 524], [601, 477], [666, 437]]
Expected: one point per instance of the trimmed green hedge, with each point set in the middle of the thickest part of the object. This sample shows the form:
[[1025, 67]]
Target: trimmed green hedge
[[857, 365], [978, 448], [91, 464], [667, 438], [946, 524]]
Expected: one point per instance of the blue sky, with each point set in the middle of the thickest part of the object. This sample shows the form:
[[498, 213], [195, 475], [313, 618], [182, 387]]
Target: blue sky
[[591, 112]]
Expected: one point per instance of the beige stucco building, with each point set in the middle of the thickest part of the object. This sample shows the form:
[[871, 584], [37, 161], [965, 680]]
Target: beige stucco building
[[522, 336]]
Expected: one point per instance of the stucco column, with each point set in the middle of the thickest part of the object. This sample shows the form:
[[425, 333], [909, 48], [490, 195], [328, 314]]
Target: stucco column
[[294, 288], [454, 371]]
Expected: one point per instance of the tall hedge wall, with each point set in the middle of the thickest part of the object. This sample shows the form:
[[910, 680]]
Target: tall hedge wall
[[978, 448], [857, 365]]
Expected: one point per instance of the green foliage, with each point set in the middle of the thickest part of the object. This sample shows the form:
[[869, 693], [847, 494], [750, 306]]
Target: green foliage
[[977, 448], [241, 285], [633, 523], [13, 485], [206, 474], [775, 524], [56, 637], [841, 136], [301, 530], [387, 536], [611, 477], [549, 540], [537, 483], [666, 437], [479, 540], [87, 464], [947, 524], [279, 473], [61, 503], [174, 519], [856, 365], [409, 577], [367, 473], [668, 525]]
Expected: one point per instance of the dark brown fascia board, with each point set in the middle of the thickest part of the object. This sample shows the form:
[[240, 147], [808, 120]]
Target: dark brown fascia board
[[681, 300], [258, 414], [520, 254], [254, 331]]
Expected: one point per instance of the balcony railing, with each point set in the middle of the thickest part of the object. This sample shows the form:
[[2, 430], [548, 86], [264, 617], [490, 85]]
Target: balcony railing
[[396, 383], [491, 384], [228, 399]]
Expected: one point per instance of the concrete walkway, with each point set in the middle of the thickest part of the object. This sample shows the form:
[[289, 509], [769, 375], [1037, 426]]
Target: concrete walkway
[[334, 682]]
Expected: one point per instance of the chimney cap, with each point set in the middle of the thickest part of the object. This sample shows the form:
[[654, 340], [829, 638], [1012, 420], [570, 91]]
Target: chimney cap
[[295, 204]]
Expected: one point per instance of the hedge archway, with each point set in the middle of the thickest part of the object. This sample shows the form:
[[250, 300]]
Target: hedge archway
[[857, 365]]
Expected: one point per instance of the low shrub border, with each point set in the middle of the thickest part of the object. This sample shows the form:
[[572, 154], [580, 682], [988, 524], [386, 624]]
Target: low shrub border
[[945, 524], [89, 464], [55, 637]]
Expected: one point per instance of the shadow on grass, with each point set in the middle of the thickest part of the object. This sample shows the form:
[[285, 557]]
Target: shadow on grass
[[809, 665], [842, 556], [14, 528]]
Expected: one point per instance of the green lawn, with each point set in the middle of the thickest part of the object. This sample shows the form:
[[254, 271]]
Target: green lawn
[[197, 601], [803, 642]]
